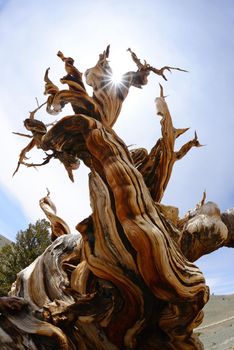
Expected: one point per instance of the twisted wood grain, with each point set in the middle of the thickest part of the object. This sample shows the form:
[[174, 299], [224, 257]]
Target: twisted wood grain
[[127, 280]]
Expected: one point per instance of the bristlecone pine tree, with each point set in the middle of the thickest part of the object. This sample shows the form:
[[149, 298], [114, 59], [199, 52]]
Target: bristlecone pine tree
[[127, 280]]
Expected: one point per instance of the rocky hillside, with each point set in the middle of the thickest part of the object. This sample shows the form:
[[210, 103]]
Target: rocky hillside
[[217, 330], [4, 241]]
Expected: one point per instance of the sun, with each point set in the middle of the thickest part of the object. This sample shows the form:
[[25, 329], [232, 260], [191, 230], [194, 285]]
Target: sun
[[119, 62], [117, 77]]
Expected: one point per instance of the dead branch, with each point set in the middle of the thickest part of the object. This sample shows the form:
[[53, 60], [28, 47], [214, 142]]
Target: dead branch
[[149, 68], [157, 167], [58, 225]]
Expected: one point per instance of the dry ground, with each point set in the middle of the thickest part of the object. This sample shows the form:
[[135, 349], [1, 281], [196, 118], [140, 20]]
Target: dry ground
[[217, 330]]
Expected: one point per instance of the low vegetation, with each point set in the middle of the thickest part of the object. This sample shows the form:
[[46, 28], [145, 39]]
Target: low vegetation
[[15, 256]]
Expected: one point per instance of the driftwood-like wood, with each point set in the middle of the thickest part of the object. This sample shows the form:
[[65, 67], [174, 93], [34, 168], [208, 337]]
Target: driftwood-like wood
[[128, 280], [58, 226]]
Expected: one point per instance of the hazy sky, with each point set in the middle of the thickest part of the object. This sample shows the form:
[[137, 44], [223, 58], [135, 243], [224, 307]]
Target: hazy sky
[[197, 35]]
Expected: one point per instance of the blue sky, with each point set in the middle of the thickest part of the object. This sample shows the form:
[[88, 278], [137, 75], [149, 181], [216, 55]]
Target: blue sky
[[197, 35]]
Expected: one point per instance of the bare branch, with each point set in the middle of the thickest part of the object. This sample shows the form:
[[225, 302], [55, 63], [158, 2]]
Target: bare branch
[[161, 70], [37, 101], [34, 165], [200, 204], [58, 225], [204, 231], [32, 114], [179, 132], [137, 60], [23, 153], [186, 147], [20, 134], [148, 67]]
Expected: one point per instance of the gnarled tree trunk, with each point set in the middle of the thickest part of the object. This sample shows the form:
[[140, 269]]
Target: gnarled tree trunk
[[128, 280]]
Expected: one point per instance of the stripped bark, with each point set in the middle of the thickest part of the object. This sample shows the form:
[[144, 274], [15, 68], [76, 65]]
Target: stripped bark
[[58, 226]]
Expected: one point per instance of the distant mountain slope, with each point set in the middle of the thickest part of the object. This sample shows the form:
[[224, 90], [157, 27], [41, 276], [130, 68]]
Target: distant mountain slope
[[217, 330], [4, 241]]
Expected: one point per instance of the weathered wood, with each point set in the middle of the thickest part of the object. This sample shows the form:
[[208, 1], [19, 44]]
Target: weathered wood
[[58, 226], [156, 167], [127, 281]]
